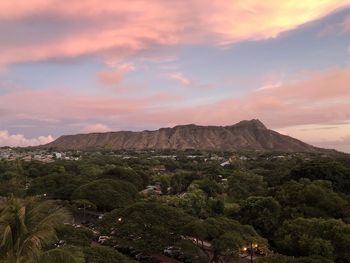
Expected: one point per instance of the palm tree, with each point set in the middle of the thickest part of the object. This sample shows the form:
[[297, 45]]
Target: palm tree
[[27, 229]]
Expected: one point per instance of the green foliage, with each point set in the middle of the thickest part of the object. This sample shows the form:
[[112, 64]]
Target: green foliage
[[57, 186], [89, 170], [276, 258], [14, 187], [244, 184], [152, 225], [102, 254], [164, 183], [62, 255], [180, 181], [217, 207], [75, 236], [329, 170], [310, 199], [310, 186], [263, 213], [57, 168], [107, 194], [123, 173], [193, 202], [8, 175], [210, 187], [27, 227], [329, 238], [226, 236]]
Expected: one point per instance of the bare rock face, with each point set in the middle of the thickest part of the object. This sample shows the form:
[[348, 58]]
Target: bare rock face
[[245, 135]]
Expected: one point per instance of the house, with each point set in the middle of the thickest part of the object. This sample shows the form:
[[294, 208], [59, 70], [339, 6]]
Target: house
[[151, 189]]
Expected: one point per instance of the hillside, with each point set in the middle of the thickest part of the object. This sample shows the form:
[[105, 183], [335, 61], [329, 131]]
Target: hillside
[[245, 135]]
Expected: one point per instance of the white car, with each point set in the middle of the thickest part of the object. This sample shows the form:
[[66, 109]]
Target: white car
[[102, 239]]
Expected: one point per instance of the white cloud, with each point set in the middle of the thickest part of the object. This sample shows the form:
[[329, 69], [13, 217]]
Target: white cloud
[[19, 140], [270, 86]]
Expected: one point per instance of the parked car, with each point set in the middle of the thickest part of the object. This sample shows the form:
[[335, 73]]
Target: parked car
[[100, 216], [172, 251], [102, 239]]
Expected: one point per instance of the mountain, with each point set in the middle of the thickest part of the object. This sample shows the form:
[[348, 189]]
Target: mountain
[[245, 135]]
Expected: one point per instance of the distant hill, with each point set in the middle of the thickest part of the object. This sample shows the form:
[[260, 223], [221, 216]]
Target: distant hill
[[245, 135]]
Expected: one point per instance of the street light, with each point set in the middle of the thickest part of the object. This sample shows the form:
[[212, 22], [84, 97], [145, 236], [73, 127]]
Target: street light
[[252, 246]]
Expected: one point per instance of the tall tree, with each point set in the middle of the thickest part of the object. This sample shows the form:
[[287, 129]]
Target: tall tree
[[263, 213], [27, 228], [224, 237]]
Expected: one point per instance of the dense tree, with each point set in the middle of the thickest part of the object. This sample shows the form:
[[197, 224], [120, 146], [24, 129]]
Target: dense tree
[[276, 258], [164, 184], [107, 194], [324, 170], [217, 207], [8, 175], [102, 254], [180, 181], [329, 238], [89, 170], [210, 187], [14, 187], [75, 236], [263, 213], [243, 184], [226, 236], [264, 191], [57, 186], [193, 202], [147, 225], [124, 173], [309, 199]]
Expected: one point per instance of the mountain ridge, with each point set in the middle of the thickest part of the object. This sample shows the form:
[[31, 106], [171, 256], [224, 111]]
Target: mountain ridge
[[244, 135]]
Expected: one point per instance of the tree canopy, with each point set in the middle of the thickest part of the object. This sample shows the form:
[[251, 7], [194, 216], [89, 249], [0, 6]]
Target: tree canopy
[[107, 194]]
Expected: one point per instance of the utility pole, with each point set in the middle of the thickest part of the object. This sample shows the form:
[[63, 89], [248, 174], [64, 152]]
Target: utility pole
[[84, 211], [251, 252]]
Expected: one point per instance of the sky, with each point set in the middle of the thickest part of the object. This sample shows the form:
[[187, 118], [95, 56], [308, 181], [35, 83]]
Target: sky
[[70, 67]]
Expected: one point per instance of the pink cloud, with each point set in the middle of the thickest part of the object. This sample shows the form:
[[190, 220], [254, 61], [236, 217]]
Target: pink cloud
[[180, 78], [19, 140], [114, 77], [98, 127], [322, 98], [118, 28], [326, 85], [57, 105], [346, 25]]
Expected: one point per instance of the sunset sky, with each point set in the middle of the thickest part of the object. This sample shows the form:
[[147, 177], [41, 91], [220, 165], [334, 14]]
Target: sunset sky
[[77, 66]]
